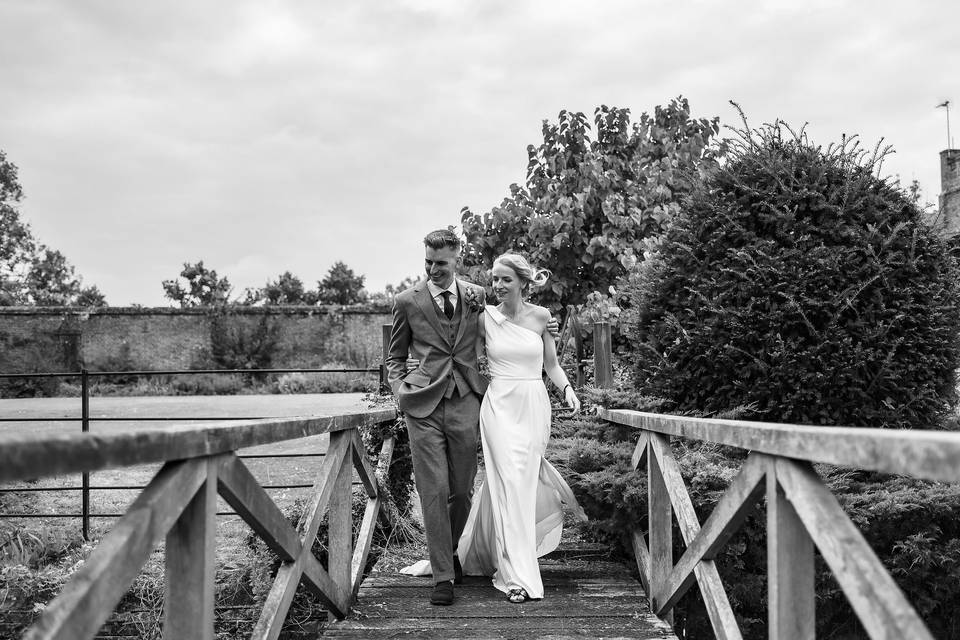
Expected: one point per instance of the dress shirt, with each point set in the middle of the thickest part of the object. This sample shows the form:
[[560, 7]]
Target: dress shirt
[[436, 292]]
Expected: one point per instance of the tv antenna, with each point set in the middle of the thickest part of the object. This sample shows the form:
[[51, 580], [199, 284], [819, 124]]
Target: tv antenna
[[946, 105]]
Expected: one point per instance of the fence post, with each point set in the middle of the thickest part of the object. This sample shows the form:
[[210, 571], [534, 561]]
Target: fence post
[[578, 341], [602, 355], [384, 384], [85, 478]]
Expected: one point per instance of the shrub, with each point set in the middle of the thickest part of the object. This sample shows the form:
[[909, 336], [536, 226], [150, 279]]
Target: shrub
[[40, 354], [293, 383], [912, 525], [800, 284], [233, 345]]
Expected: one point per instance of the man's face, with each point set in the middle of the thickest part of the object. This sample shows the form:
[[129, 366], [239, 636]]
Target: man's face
[[440, 265]]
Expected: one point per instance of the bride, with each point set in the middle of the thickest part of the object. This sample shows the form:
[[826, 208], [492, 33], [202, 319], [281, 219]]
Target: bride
[[518, 515]]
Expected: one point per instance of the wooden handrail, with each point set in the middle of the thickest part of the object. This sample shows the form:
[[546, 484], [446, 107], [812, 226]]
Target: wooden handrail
[[926, 454], [41, 455], [179, 506], [801, 514]]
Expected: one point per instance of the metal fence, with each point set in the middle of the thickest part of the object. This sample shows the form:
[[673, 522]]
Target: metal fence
[[85, 419]]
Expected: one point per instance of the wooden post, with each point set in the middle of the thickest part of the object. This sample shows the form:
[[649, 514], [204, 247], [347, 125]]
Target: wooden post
[[660, 517], [602, 355], [340, 525], [189, 581], [384, 383], [578, 341], [790, 569]]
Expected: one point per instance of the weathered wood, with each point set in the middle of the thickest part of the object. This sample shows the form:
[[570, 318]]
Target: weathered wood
[[252, 503], [42, 455], [660, 534], [715, 599], [189, 572], [880, 605], [91, 594], [729, 513], [642, 555], [790, 572], [588, 598], [340, 523], [931, 455], [370, 514], [365, 470], [278, 600], [602, 355], [640, 451]]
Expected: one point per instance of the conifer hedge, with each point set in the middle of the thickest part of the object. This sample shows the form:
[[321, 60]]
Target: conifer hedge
[[800, 285]]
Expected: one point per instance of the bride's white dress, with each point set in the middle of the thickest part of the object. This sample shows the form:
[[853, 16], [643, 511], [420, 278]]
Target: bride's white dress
[[518, 514]]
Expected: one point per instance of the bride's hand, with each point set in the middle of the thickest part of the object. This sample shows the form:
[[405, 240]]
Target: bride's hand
[[570, 397], [412, 363]]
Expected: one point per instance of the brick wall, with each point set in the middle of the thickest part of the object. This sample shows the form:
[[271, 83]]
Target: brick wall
[[62, 339]]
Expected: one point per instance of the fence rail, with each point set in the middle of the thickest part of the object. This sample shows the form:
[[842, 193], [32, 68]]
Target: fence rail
[[801, 514], [179, 505], [85, 419]]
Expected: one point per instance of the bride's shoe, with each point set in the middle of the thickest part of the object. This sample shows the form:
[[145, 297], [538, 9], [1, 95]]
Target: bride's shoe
[[518, 596]]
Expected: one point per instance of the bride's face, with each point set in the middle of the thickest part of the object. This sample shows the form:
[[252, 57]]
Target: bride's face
[[507, 286]]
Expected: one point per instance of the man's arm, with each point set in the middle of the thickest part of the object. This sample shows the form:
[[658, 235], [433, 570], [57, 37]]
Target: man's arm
[[400, 336]]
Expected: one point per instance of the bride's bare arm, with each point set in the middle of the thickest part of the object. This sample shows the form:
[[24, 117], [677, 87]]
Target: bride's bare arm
[[556, 374]]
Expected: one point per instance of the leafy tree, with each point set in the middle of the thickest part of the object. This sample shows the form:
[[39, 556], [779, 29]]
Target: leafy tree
[[198, 286], [32, 273], [52, 281], [799, 284], [390, 291], [288, 289], [341, 286], [589, 204], [17, 245]]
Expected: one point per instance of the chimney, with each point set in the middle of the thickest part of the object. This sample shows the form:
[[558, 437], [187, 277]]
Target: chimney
[[949, 217]]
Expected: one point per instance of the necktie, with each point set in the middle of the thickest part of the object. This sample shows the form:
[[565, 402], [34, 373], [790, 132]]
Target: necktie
[[447, 305]]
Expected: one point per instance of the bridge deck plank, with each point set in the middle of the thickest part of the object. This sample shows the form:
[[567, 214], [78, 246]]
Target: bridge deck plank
[[585, 596]]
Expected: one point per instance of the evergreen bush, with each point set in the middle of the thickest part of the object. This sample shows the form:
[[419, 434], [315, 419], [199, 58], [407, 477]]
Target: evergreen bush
[[799, 284]]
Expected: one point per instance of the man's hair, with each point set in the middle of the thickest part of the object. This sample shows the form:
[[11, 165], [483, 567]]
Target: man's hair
[[442, 238]]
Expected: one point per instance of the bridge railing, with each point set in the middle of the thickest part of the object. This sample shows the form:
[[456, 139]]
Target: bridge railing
[[802, 514], [178, 506]]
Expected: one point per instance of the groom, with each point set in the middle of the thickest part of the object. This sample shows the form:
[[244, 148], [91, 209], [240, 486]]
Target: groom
[[436, 322]]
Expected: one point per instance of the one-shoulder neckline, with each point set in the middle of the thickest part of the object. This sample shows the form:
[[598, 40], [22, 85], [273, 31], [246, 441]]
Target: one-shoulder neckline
[[501, 318]]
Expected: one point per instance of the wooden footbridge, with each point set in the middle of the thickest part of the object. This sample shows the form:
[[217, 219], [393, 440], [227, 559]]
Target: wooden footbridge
[[587, 595]]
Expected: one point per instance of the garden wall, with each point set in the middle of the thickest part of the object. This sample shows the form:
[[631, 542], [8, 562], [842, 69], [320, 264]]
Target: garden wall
[[65, 339]]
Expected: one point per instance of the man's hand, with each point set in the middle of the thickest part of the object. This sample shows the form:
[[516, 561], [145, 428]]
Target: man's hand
[[553, 328]]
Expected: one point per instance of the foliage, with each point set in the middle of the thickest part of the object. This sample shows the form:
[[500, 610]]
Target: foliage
[[590, 203], [32, 273], [197, 286], [40, 353], [799, 283], [341, 286], [913, 525], [235, 345], [288, 289], [294, 383]]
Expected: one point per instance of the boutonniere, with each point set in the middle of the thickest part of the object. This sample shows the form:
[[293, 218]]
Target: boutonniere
[[473, 298]]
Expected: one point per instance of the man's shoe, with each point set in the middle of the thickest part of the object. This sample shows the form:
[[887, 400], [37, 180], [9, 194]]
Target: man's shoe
[[457, 571], [442, 593]]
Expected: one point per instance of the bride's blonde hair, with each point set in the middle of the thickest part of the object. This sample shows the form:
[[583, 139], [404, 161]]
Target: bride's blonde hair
[[528, 274]]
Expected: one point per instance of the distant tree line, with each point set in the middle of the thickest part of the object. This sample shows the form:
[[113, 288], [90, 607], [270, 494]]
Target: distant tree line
[[198, 285]]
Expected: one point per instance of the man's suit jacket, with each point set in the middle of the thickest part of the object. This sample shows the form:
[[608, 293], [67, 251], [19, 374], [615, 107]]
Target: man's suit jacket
[[418, 332]]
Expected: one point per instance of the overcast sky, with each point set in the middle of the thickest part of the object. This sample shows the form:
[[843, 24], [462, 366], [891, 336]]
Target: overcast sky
[[270, 136]]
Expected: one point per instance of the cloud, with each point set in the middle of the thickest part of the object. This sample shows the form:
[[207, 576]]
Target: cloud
[[272, 136]]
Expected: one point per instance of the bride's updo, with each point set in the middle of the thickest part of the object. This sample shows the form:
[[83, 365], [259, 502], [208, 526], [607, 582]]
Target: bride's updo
[[528, 274]]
